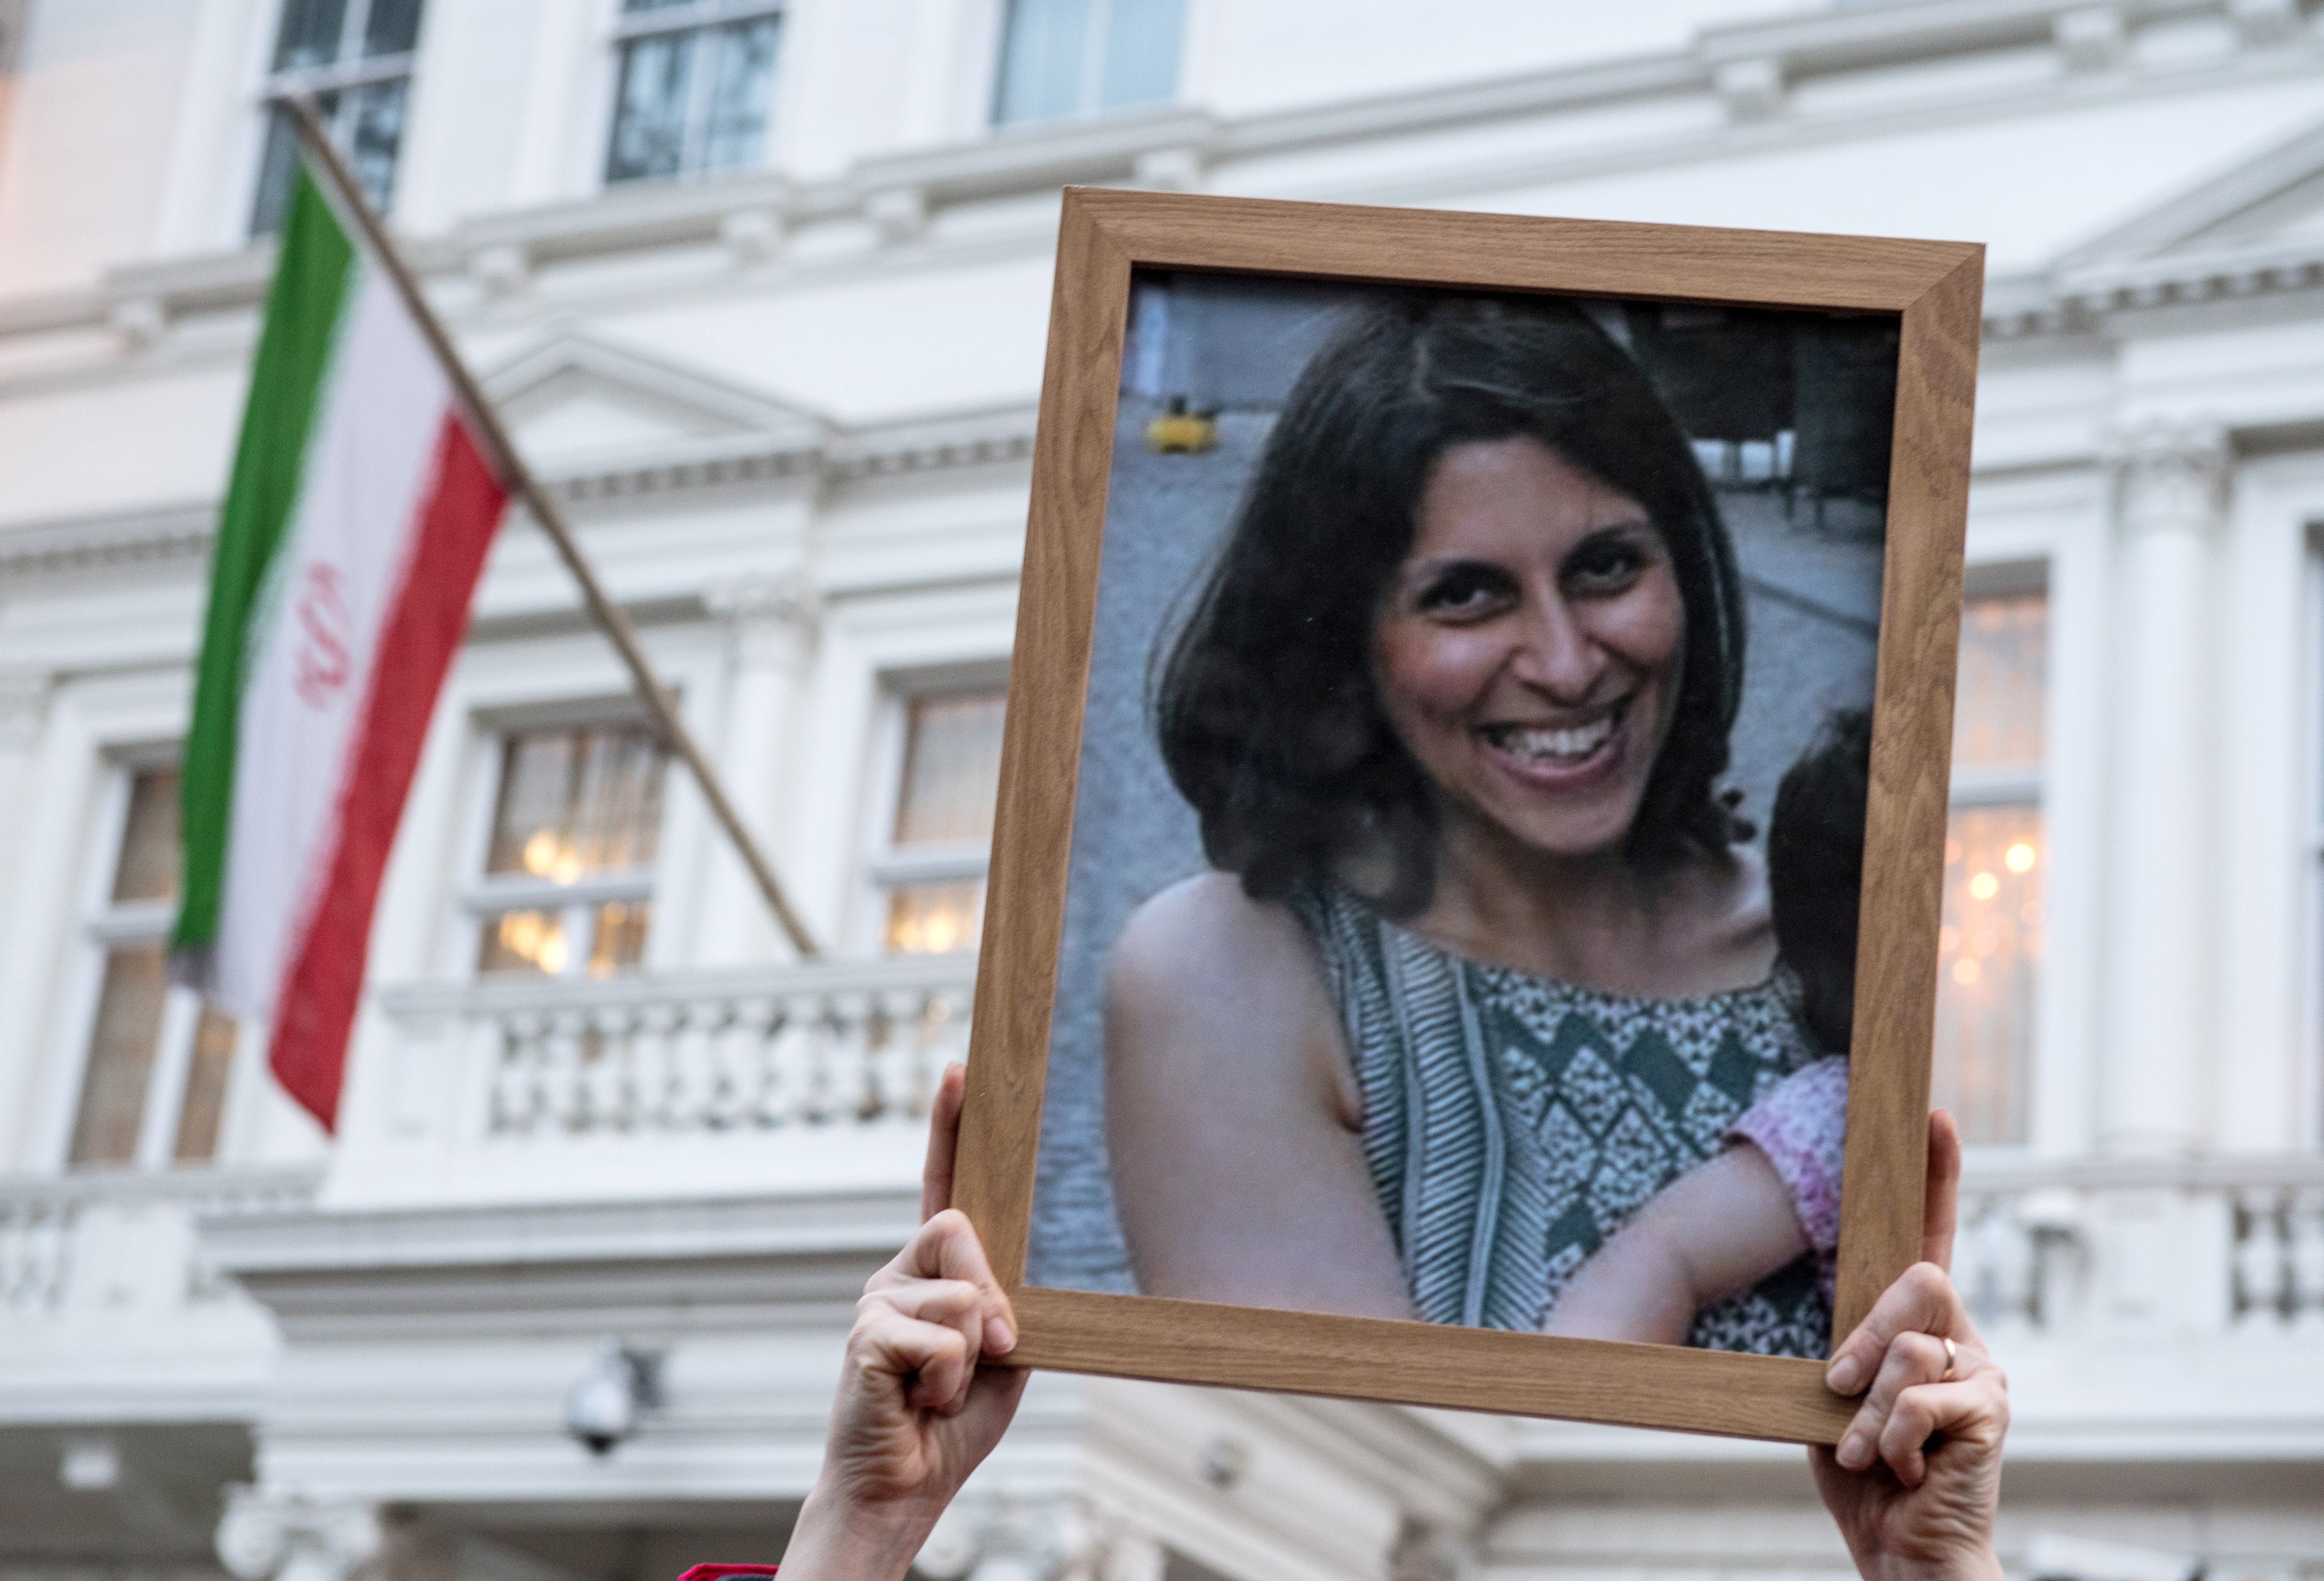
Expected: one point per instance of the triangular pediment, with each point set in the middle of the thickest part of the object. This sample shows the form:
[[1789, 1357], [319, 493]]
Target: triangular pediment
[[576, 395], [2269, 200]]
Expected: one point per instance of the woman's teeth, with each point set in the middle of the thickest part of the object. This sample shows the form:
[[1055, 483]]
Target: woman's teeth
[[1552, 745]]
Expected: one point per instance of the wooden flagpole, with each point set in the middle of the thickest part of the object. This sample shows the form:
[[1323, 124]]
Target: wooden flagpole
[[521, 483]]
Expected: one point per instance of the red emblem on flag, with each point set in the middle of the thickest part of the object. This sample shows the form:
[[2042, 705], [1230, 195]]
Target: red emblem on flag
[[325, 624]]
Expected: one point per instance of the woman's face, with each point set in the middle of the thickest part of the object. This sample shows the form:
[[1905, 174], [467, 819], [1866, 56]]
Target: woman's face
[[1529, 649]]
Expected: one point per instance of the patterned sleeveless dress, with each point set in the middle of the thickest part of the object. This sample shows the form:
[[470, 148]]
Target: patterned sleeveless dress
[[1512, 1123]]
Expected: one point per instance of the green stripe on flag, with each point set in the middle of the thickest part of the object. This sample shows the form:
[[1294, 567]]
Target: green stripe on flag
[[311, 273]]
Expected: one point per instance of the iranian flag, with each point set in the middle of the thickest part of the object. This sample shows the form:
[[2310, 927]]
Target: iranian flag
[[352, 538]]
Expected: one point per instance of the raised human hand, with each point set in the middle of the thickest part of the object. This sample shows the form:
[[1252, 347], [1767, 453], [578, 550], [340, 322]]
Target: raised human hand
[[914, 1413], [1915, 1481]]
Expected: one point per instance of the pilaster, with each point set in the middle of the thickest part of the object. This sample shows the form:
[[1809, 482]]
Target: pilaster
[[2169, 493], [772, 624]]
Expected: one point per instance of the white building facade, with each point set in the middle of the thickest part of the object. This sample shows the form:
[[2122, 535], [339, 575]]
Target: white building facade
[[762, 288]]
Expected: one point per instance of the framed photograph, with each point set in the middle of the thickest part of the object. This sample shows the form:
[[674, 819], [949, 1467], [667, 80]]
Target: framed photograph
[[1463, 923]]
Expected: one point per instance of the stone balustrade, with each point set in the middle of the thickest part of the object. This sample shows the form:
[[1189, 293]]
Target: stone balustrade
[[771, 1079], [2217, 1242], [118, 1239], [109, 1309]]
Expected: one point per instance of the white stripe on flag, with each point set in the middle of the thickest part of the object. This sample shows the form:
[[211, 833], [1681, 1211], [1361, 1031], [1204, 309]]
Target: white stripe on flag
[[337, 576]]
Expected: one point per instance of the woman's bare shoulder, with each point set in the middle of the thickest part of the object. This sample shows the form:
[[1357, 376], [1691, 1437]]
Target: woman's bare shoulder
[[1206, 930]]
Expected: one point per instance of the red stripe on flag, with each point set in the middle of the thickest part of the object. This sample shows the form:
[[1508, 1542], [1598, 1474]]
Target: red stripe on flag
[[315, 1006]]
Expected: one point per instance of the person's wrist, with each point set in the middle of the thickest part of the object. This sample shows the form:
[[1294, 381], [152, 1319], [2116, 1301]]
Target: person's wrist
[[837, 1537], [1976, 1564]]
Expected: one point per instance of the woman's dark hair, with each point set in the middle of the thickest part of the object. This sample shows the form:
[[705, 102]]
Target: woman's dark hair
[[1815, 871], [1268, 717]]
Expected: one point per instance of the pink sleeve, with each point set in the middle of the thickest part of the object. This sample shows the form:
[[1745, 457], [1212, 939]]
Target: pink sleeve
[[1800, 1125]]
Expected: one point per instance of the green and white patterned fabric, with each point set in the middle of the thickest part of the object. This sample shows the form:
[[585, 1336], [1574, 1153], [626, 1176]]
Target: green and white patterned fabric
[[1512, 1123]]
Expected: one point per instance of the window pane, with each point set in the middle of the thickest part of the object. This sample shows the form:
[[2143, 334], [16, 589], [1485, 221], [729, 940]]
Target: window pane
[[649, 112], [933, 918], [619, 940], [1988, 956], [150, 852], [1997, 712], [952, 768], [206, 1078], [1044, 61], [280, 164], [531, 942], [370, 133], [577, 802], [392, 28], [633, 6], [741, 86], [120, 1056], [310, 35], [1141, 52]]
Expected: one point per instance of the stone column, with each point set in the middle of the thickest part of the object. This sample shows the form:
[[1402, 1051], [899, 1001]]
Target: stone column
[[2158, 1265], [771, 626], [2170, 502]]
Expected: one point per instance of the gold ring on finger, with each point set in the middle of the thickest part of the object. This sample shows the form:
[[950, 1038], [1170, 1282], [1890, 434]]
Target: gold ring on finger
[[1952, 1357]]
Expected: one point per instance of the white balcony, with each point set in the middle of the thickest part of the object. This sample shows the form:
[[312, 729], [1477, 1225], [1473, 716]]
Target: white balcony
[[780, 1080], [109, 1312], [514, 1122]]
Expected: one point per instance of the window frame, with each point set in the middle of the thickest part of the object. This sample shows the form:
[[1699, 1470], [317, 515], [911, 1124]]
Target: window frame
[[628, 28], [478, 896], [102, 926], [2309, 1077], [1093, 74], [347, 73], [2021, 784], [887, 866]]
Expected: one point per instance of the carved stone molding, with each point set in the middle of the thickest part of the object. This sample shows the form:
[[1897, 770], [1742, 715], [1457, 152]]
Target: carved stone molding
[[1003, 1536], [286, 1537], [2171, 476], [772, 621], [2092, 38], [1751, 90], [24, 706]]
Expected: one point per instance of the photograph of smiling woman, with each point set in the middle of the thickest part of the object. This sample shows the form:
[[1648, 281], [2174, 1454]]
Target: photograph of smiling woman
[[1419, 960]]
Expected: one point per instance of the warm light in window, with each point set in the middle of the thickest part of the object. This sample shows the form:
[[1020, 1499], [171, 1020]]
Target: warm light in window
[[549, 857], [2019, 858], [1984, 886], [1965, 971], [527, 939], [936, 918]]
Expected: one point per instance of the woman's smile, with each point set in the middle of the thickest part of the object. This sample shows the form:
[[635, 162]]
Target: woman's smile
[[1529, 649], [1565, 749]]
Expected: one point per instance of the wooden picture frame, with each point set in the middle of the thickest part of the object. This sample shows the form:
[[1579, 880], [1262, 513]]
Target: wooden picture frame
[[1934, 288]]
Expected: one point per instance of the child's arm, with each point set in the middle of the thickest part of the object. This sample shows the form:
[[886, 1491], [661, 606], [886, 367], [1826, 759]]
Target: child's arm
[[1723, 1226]]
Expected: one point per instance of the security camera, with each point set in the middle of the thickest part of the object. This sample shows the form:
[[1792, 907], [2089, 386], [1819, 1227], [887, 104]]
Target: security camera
[[606, 1406]]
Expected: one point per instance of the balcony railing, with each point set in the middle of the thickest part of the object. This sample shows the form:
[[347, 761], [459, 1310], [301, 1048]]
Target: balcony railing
[[74, 1245], [769, 1079], [2198, 1244], [109, 1310]]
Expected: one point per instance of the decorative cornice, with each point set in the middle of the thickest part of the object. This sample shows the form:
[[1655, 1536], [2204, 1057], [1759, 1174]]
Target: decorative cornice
[[983, 437], [1753, 69], [106, 542]]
